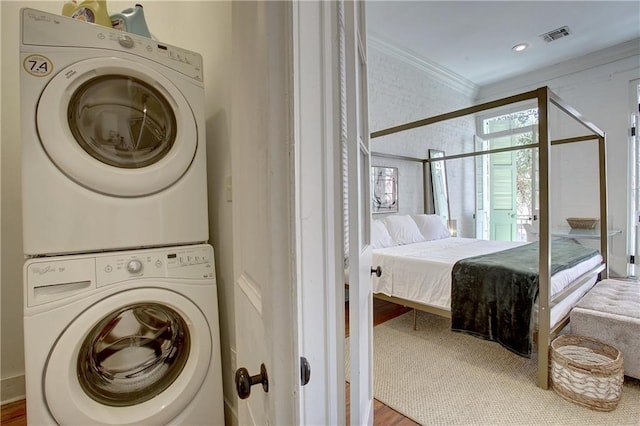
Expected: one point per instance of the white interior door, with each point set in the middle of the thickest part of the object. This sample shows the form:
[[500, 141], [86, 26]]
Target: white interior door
[[262, 177], [356, 137]]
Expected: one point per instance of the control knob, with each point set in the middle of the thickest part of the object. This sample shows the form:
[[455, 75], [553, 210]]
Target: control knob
[[126, 41], [134, 266]]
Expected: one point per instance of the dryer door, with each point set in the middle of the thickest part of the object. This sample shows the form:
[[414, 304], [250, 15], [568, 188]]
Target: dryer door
[[117, 127], [136, 357]]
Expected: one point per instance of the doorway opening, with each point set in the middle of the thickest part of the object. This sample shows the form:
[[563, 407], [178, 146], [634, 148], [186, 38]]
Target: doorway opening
[[507, 188]]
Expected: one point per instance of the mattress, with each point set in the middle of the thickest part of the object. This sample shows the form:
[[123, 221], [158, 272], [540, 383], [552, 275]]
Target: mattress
[[421, 272]]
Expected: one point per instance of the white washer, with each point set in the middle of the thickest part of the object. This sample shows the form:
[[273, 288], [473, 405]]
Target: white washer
[[119, 338], [113, 134]]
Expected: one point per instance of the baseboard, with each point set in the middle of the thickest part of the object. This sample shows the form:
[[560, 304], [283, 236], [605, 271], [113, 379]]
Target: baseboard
[[12, 389]]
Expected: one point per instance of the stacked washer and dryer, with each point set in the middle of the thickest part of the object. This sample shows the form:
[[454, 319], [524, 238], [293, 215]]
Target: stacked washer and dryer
[[120, 311]]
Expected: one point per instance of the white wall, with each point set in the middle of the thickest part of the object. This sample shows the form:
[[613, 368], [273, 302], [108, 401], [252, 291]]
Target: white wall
[[204, 27], [402, 89], [598, 86]]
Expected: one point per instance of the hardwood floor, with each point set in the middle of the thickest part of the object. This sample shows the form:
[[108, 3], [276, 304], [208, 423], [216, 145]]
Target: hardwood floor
[[383, 415], [14, 414], [382, 311]]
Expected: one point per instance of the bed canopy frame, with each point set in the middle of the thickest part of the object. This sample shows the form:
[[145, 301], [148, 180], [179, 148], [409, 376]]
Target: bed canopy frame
[[545, 99]]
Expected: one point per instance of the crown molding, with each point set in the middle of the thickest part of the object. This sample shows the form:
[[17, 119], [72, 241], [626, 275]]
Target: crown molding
[[542, 76], [442, 74]]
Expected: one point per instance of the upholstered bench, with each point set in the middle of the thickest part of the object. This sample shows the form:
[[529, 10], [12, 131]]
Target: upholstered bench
[[610, 312]]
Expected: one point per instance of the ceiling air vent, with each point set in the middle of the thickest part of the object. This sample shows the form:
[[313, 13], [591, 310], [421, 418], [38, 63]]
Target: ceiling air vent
[[555, 34]]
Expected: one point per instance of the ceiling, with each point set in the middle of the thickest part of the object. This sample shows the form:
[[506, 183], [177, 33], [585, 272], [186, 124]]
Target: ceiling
[[473, 39]]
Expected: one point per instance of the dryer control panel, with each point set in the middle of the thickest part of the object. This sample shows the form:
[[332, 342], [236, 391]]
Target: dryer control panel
[[46, 29]]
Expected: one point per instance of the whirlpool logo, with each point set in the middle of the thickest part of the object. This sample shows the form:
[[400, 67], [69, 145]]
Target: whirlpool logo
[[42, 270]]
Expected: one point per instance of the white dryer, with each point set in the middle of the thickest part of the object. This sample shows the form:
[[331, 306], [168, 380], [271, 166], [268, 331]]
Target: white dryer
[[121, 338], [113, 134]]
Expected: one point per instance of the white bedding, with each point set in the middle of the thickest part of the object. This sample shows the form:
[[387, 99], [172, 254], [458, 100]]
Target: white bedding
[[421, 272]]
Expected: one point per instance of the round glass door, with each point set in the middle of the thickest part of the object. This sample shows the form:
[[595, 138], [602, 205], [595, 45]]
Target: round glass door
[[133, 354], [138, 356], [122, 121], [118, 127]]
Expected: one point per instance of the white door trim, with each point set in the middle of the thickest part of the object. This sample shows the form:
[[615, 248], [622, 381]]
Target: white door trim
[[318, 211], [358, 174]]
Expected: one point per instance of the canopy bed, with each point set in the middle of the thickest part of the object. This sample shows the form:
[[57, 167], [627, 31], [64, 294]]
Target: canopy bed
[[417, 266]]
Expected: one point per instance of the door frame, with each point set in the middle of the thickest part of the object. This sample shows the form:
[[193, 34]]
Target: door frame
[[633, 179], [318, 211], [357, 177], [484, 189]]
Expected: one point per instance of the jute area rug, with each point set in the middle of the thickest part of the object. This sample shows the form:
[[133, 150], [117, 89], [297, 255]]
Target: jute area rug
[[438, 377]]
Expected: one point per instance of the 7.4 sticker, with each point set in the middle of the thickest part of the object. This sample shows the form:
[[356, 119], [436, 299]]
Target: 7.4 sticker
[[38, 65]]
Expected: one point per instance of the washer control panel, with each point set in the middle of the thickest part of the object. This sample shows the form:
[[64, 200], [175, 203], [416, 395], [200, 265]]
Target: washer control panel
[[194, 262], [55, 278]]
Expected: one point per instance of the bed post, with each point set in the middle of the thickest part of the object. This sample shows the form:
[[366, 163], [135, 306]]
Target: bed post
[[604, 222], [544, 320]]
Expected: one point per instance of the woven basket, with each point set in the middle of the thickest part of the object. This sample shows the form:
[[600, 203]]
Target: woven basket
[[582, 222], [587, 371]]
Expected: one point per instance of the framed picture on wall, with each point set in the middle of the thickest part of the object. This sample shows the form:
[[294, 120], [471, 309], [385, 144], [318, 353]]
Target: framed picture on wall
[[384, 184]]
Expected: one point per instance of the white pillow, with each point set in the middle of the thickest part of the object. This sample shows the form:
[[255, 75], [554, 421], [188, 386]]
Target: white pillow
[[380, 237], [431, 226], [403, 229]]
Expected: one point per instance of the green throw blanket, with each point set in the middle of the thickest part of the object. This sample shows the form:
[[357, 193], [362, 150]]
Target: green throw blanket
[[492, 296]]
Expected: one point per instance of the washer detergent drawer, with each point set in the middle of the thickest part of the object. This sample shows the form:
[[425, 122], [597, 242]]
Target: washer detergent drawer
[[51, 280]]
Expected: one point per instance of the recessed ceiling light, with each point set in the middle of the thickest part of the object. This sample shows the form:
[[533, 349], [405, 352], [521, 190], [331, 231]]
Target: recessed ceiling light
[[519, 47]]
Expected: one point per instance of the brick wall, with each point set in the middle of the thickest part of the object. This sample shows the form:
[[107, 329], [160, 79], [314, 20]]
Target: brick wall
[[401, 90]]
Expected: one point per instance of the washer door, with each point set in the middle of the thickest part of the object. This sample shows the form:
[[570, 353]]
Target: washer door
[[117, 127], [136, 357]]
